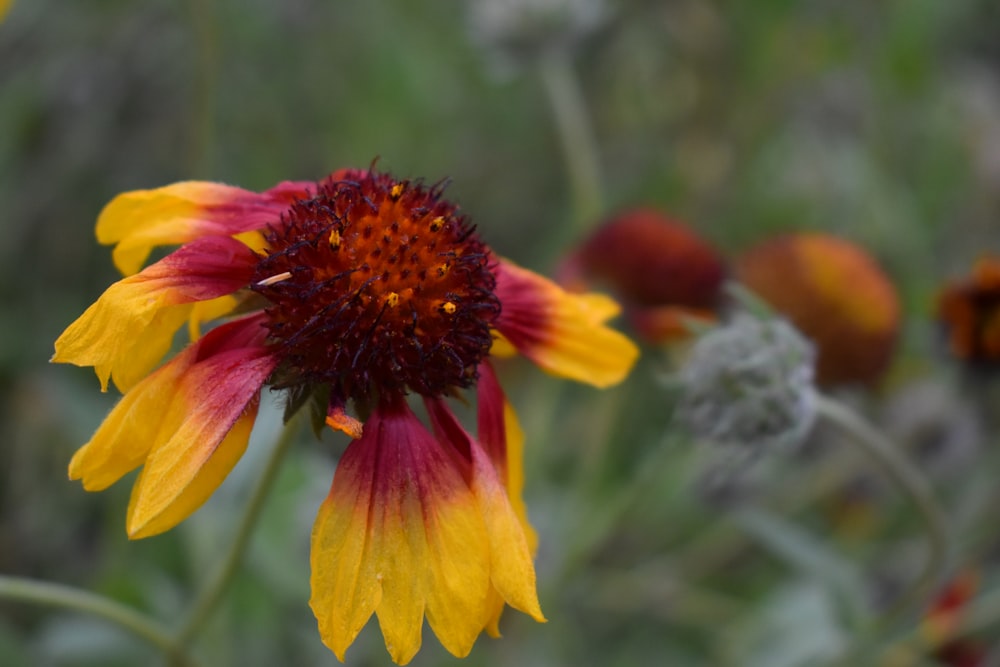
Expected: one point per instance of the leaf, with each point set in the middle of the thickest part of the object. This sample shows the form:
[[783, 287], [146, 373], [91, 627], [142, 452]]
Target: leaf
[[809, 555]]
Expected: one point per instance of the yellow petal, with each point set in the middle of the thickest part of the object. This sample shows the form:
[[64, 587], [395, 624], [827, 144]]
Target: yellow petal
[[206, 311], [560, 331], [501, 347], [169, 489], [502, 438], [346, 587], [515, 486], [512, 572], [254, 240], [131, 326], [123, 440], [495, 605], [515, 473], [124, 334], [459, 569], [204, 433], [599, 308], [140, 220]]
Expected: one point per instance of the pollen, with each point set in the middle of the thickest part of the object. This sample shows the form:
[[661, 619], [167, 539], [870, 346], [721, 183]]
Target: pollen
[[362, 298]]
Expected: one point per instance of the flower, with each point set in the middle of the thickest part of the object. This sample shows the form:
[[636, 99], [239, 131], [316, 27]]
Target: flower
[[937, 425], [970, 309], [749, 385], [835, 293], [357, 290], [663, 273], [941, 627], [517, 31]]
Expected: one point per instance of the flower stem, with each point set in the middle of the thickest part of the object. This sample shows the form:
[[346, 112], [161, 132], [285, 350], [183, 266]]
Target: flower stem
[[67, 597], [912, 483], [578, 145], [211, 594]]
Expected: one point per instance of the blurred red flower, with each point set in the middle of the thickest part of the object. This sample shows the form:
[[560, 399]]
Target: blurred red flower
[[659, 269], [941, 626]]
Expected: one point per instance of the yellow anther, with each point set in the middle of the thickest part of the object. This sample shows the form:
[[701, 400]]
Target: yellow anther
[[437, 223], [397, 190], [274, 279], [334, 239], [448, 307], [441, 270], [392, 300]]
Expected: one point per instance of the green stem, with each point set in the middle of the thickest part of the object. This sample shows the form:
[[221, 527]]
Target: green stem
[[212, 593], [912, 483], [67, 597], [578, 145]]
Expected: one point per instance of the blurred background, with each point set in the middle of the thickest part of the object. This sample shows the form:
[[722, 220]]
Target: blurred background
[[875, 121]]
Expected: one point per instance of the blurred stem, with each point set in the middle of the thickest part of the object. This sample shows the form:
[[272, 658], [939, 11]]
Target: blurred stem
[[911, 483], [203, 108], [212, 593], [67, 597], [579, 148]]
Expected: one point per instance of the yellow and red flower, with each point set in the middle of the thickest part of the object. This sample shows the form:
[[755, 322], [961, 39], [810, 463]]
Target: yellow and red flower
[[970, 309], [941, 626], [357, 290]]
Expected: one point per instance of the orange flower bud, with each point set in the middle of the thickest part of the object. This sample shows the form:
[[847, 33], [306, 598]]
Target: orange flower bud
[[836, 294]]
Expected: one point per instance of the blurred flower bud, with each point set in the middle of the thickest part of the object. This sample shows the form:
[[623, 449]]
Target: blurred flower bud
[[834, 292], [519, 30], [659, 269], [749, 384], [664, 324], [962, 652], [936, 425], [970, 309]]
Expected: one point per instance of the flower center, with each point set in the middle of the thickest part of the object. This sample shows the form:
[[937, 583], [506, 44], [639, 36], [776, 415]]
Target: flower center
[[377, 287]]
